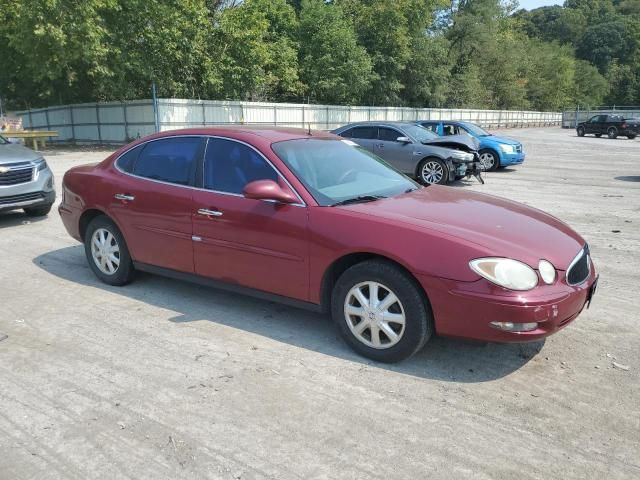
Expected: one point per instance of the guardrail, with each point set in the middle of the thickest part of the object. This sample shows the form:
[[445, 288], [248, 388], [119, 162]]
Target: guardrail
[[119, 122]]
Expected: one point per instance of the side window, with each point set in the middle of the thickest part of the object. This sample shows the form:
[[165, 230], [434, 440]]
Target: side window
[[365, 133], [347, 133], [126, 161], [431, 126], [602, 119], [450, 129], [171, 160], [230, 165], [388, 134]]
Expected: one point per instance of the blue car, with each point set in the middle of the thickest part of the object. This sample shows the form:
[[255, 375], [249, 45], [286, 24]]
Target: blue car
[[495, 152]]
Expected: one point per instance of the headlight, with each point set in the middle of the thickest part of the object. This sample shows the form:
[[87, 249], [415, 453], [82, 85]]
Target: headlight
[[506, 272], [508, 148], [547, 272], [40, 164], [465, 157]]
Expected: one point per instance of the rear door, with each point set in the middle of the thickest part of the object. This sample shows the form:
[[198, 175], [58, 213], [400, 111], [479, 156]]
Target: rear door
[[365, 136], [253, 243], [398, 154], [152, 201], [602, 124]]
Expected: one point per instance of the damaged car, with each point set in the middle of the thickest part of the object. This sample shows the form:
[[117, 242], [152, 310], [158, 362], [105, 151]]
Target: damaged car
[[416, 151]]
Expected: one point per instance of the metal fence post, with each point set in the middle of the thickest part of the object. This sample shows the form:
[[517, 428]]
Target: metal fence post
[[204, 114], [73, 124], [46, 114], [98, 123], [126, 121]]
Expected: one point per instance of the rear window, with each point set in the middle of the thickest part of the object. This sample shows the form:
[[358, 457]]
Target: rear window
[[126, 161], [171, 160]]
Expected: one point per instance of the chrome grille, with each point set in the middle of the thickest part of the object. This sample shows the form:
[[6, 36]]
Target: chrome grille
[[16, 173], [579, 268]]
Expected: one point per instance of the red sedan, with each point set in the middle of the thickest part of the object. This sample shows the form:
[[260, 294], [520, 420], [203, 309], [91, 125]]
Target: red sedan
[[312, 219]]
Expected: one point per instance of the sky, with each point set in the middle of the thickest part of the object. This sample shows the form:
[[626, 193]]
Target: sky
[[530, 4]]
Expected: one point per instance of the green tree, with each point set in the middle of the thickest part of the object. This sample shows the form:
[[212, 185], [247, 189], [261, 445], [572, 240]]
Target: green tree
[[333, 67]]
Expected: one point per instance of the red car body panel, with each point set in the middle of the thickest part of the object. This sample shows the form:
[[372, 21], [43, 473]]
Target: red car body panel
[[287, 249]]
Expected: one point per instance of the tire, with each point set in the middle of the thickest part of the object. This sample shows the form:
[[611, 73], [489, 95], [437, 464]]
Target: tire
[[489, 160], [631, 137], [598, 135], [581, 131], [612, 133], [411, 303], [38, 211], [120, 273], [433, 171]]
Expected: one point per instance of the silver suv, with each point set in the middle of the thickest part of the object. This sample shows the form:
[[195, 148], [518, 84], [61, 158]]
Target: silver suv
[[26, 181]]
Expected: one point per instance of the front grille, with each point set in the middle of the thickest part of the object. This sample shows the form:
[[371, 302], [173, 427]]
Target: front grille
[[17, 173], [579, 271], [24, 197]]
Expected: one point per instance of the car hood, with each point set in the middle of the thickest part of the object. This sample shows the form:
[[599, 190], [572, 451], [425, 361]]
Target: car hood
[[502, 228], [502, 140], [12, 153], [466, 141]]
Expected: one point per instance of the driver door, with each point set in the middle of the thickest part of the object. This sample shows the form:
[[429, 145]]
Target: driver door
[[252, 243]]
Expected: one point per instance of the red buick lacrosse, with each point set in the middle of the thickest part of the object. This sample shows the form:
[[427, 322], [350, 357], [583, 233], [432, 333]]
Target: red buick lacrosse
[[314, 220]]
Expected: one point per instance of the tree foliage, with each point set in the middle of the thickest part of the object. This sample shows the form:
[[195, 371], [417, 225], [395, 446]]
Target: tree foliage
[[439, 53]]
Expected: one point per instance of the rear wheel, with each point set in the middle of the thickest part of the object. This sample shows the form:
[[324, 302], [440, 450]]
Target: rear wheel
[[612, 132], [381, 312], [581, 131], [433, 171], [38, 211], [107, 252]]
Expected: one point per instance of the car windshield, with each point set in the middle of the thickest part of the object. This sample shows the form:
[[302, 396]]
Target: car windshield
[[421, 134], [475, 130], [336, 171]]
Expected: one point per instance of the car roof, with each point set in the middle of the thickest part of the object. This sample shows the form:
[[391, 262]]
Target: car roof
[[383, 123], [269, 133]]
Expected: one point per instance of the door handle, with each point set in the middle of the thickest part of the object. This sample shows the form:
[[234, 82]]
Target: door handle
[[124, 196], [209, 213]]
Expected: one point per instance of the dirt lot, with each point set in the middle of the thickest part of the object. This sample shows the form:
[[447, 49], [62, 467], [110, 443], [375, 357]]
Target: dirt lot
[[163, 379]]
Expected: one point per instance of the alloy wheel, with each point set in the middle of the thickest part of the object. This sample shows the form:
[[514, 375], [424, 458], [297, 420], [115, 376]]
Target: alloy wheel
[[375, 315], [105, 251], [487, 161], [432, 172]]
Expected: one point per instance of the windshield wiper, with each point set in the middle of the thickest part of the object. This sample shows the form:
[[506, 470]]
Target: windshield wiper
[[359, 199]]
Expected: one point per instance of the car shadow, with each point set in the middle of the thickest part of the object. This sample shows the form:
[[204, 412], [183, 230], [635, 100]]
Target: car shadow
[[17, 218], [628, 178], [443, 359]]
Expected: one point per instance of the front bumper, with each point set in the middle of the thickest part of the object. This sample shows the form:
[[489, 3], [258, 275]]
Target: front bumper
[[511, 158], [466, 309], [38, 192]]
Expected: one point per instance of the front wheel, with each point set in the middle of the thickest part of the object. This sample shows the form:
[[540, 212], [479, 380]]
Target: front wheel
[[612, 133], [107, 252], [631, 137], [433, 171], [581, 131], [489, 160], [381, 312]]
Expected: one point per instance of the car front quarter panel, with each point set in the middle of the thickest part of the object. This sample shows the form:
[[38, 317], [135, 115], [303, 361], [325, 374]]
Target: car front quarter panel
[[336, 232]]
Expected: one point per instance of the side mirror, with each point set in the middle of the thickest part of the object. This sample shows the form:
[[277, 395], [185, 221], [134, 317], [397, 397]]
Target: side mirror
[[267, 190], [403, 140]]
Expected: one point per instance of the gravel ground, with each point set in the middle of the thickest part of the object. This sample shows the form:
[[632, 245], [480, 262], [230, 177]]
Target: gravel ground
[[164, 379]]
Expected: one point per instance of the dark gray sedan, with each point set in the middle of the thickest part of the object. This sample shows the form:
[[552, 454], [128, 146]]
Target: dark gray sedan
[[416, 151]]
